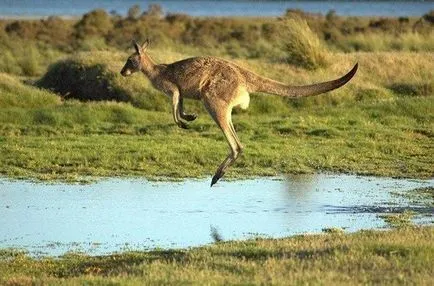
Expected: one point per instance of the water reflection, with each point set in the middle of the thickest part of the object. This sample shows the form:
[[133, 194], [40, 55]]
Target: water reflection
[[116, 214], [300, 187]]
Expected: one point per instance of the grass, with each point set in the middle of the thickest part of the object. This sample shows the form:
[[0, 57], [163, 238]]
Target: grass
[[399, 256], [368, 127], [112, 139], [423, 196], [398, 220], [375, 42], [303, 46], [26, 58], [15, 94]]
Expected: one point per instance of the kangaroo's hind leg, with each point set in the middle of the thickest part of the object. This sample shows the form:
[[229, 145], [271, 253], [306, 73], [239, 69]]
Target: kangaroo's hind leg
[[221, 112]]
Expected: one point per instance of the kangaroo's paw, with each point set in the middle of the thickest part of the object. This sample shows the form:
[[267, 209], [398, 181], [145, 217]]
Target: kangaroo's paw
[[189, 117]]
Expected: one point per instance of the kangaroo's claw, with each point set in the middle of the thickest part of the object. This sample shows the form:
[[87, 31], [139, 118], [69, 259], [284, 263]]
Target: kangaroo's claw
[[189, 117], [216, 177]]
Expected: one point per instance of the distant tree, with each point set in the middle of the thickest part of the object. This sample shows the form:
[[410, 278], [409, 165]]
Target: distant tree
[[154, 10], [94, 23], [134, 12], [429, 17], [331, 15]]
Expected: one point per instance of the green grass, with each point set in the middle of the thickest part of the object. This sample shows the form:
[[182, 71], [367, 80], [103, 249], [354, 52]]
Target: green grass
[[26, 58], [400, 256], [369, 127], [14, 94], [112, 139]]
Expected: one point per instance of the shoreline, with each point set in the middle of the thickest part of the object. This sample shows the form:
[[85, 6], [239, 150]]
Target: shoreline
[[85, 180]]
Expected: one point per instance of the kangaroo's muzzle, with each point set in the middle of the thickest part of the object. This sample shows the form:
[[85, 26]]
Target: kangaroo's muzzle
[[125, 72]]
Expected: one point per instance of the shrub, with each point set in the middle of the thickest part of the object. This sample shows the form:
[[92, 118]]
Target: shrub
[[154, 10], [95, 76], [133, 12], [23, 29], [303, 46], [72, 79], [331, 16], [429, 17], [94, 23]]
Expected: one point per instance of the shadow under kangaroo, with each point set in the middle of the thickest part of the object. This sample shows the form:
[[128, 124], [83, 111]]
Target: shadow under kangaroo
[[220, 85]]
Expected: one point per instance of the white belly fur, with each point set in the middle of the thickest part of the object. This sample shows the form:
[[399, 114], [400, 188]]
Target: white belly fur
[[242, 99]]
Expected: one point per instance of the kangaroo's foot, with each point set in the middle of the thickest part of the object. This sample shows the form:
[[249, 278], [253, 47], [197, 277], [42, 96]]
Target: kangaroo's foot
[[188, 117], [182, 124], [216, 177]]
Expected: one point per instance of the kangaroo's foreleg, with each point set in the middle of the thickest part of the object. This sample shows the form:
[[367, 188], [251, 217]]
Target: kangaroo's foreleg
[[185, 116], [222, 116], [176, 109]]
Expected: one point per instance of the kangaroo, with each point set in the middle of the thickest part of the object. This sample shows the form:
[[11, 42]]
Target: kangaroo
[[221, 85]]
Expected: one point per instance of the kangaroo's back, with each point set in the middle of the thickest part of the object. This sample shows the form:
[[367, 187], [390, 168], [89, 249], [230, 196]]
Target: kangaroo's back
[[192, 75]]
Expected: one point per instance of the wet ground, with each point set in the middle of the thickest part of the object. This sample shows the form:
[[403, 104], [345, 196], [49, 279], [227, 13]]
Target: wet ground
[[131, 214]]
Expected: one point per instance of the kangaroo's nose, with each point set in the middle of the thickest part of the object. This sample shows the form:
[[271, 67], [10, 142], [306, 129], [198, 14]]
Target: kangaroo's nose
[[125, 72]]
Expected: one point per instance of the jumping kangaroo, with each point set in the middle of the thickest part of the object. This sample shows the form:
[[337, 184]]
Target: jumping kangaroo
[[221, 85]]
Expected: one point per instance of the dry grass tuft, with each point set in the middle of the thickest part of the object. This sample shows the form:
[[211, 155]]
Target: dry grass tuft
[[303, 45]]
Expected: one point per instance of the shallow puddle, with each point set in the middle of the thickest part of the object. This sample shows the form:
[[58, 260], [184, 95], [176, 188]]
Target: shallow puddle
[[131, 214]]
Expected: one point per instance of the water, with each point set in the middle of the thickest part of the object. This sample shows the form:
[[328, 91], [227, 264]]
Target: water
[[124, 214], [30, 8]]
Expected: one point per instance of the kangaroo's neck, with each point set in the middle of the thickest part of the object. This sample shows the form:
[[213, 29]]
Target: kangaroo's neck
[[149, 67]]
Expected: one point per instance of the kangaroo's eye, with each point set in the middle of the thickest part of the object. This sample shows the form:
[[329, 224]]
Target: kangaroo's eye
[[134, 63]]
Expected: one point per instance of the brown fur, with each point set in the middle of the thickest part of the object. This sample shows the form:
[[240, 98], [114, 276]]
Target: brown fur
[[221, 85]]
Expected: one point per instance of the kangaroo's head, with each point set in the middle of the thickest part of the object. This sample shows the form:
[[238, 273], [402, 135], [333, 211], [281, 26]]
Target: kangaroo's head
[[134, 62]]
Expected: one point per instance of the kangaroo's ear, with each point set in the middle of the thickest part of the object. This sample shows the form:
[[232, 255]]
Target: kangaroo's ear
[[137, 47], [146, 44]]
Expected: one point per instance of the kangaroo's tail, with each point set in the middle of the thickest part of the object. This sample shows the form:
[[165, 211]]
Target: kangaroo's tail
[[262, 84]]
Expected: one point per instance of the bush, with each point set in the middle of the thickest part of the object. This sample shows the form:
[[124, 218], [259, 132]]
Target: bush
[[95, 76], [429, 17], [72, 79], [154, 10], [302, 45], [94, 23], [133, 12]]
